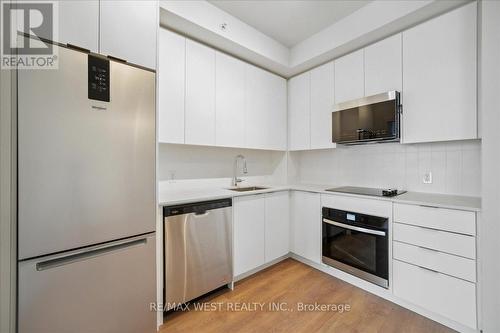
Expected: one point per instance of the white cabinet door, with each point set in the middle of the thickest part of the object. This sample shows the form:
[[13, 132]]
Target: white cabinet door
[[299, 112], [255, 108], [439, 78], [322, 101], [128, 30], [305, 219], [277, 232], [249, 228], [265, 110], [276, 112], [79, 23], [229, 101], [200, 94], [383, 66], [171, 87], [440, 293], [349, 77]]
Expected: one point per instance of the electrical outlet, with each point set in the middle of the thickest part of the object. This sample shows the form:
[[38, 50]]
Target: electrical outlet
[[427, 178]]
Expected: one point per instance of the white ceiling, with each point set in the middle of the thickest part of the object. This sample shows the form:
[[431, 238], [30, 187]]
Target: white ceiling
[[289, 22]]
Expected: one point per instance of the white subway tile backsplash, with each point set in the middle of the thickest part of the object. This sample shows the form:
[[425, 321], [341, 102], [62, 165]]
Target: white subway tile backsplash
[[453, 172], [455, 166], [470, 169]]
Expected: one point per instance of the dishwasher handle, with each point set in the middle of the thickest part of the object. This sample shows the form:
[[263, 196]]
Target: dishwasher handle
[[201, 214]]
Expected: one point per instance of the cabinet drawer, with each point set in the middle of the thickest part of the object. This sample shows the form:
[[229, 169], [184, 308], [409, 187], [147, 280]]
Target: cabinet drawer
[[448, 296], [439, 261], [461, 245], [437, 218]]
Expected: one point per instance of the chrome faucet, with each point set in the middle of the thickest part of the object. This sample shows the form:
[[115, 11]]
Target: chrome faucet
[[237, 180]]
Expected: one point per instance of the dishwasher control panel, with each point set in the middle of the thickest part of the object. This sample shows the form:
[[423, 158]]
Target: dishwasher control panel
[[196, 207]]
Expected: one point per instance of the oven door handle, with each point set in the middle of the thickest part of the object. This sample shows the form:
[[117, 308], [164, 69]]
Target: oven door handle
[[351, 227]]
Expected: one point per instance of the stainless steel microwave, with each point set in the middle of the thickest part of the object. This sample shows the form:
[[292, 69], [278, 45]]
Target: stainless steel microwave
[[367, 120]]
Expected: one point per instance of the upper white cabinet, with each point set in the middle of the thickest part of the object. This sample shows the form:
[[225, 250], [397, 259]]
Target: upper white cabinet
[[128, 30], [322, 101], [249, 233], [439, 78], [123, 29], [299, 109], [349, 77], [383, 66], [276, 112], [79, 23], [265, 109], [209, 98], [305, 220], [200, 94], [229, 101], [310, 105], [171, 87], [277, 224]]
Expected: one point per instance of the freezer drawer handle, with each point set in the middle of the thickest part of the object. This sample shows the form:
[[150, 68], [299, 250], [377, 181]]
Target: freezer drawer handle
[[52, 263]]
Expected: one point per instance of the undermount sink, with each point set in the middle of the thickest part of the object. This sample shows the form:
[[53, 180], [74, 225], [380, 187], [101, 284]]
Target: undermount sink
[[249, 188]]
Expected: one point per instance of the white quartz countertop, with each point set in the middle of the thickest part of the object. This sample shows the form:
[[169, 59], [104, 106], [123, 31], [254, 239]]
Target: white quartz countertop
[[168, 196]]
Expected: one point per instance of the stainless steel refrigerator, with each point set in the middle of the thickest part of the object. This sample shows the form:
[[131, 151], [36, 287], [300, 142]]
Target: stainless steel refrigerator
[[86, 196]]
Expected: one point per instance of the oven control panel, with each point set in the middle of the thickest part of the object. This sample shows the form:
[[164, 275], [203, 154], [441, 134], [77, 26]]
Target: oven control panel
[[354, 218]]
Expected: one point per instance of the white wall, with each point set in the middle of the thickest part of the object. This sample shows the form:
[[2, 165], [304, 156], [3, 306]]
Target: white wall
[[192, 162], [455, 166], [208, 17], [489, 224]]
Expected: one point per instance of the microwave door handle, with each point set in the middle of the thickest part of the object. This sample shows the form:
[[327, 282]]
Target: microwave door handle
[[351, 227]]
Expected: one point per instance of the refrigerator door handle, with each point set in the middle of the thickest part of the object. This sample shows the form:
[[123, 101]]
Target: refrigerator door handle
[[87, 254]]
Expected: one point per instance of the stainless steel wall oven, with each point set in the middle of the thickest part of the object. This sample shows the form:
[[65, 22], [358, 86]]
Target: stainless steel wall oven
[[357, 244]]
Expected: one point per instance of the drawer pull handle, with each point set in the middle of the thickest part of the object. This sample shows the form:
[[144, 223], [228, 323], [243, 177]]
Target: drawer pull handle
[[428, 206], [428, 269], [427, 249]]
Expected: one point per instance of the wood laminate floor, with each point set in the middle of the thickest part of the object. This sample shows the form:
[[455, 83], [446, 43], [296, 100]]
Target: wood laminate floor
[[287, 285]]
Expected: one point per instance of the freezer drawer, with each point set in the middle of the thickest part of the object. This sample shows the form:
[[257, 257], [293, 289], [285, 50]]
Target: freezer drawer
[[105, 288]]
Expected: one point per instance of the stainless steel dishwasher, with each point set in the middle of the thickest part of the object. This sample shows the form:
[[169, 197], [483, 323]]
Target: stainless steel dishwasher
[[197, 249]]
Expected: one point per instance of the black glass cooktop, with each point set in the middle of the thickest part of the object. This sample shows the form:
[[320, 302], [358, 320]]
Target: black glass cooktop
[[374, 192]]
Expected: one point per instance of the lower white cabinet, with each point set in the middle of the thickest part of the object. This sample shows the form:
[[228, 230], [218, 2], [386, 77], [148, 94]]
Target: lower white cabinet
[[440, 293], [249, 230], [261, 230], [277, 225], [305, 219], [448, 242], [434, 262], [460, 267]]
